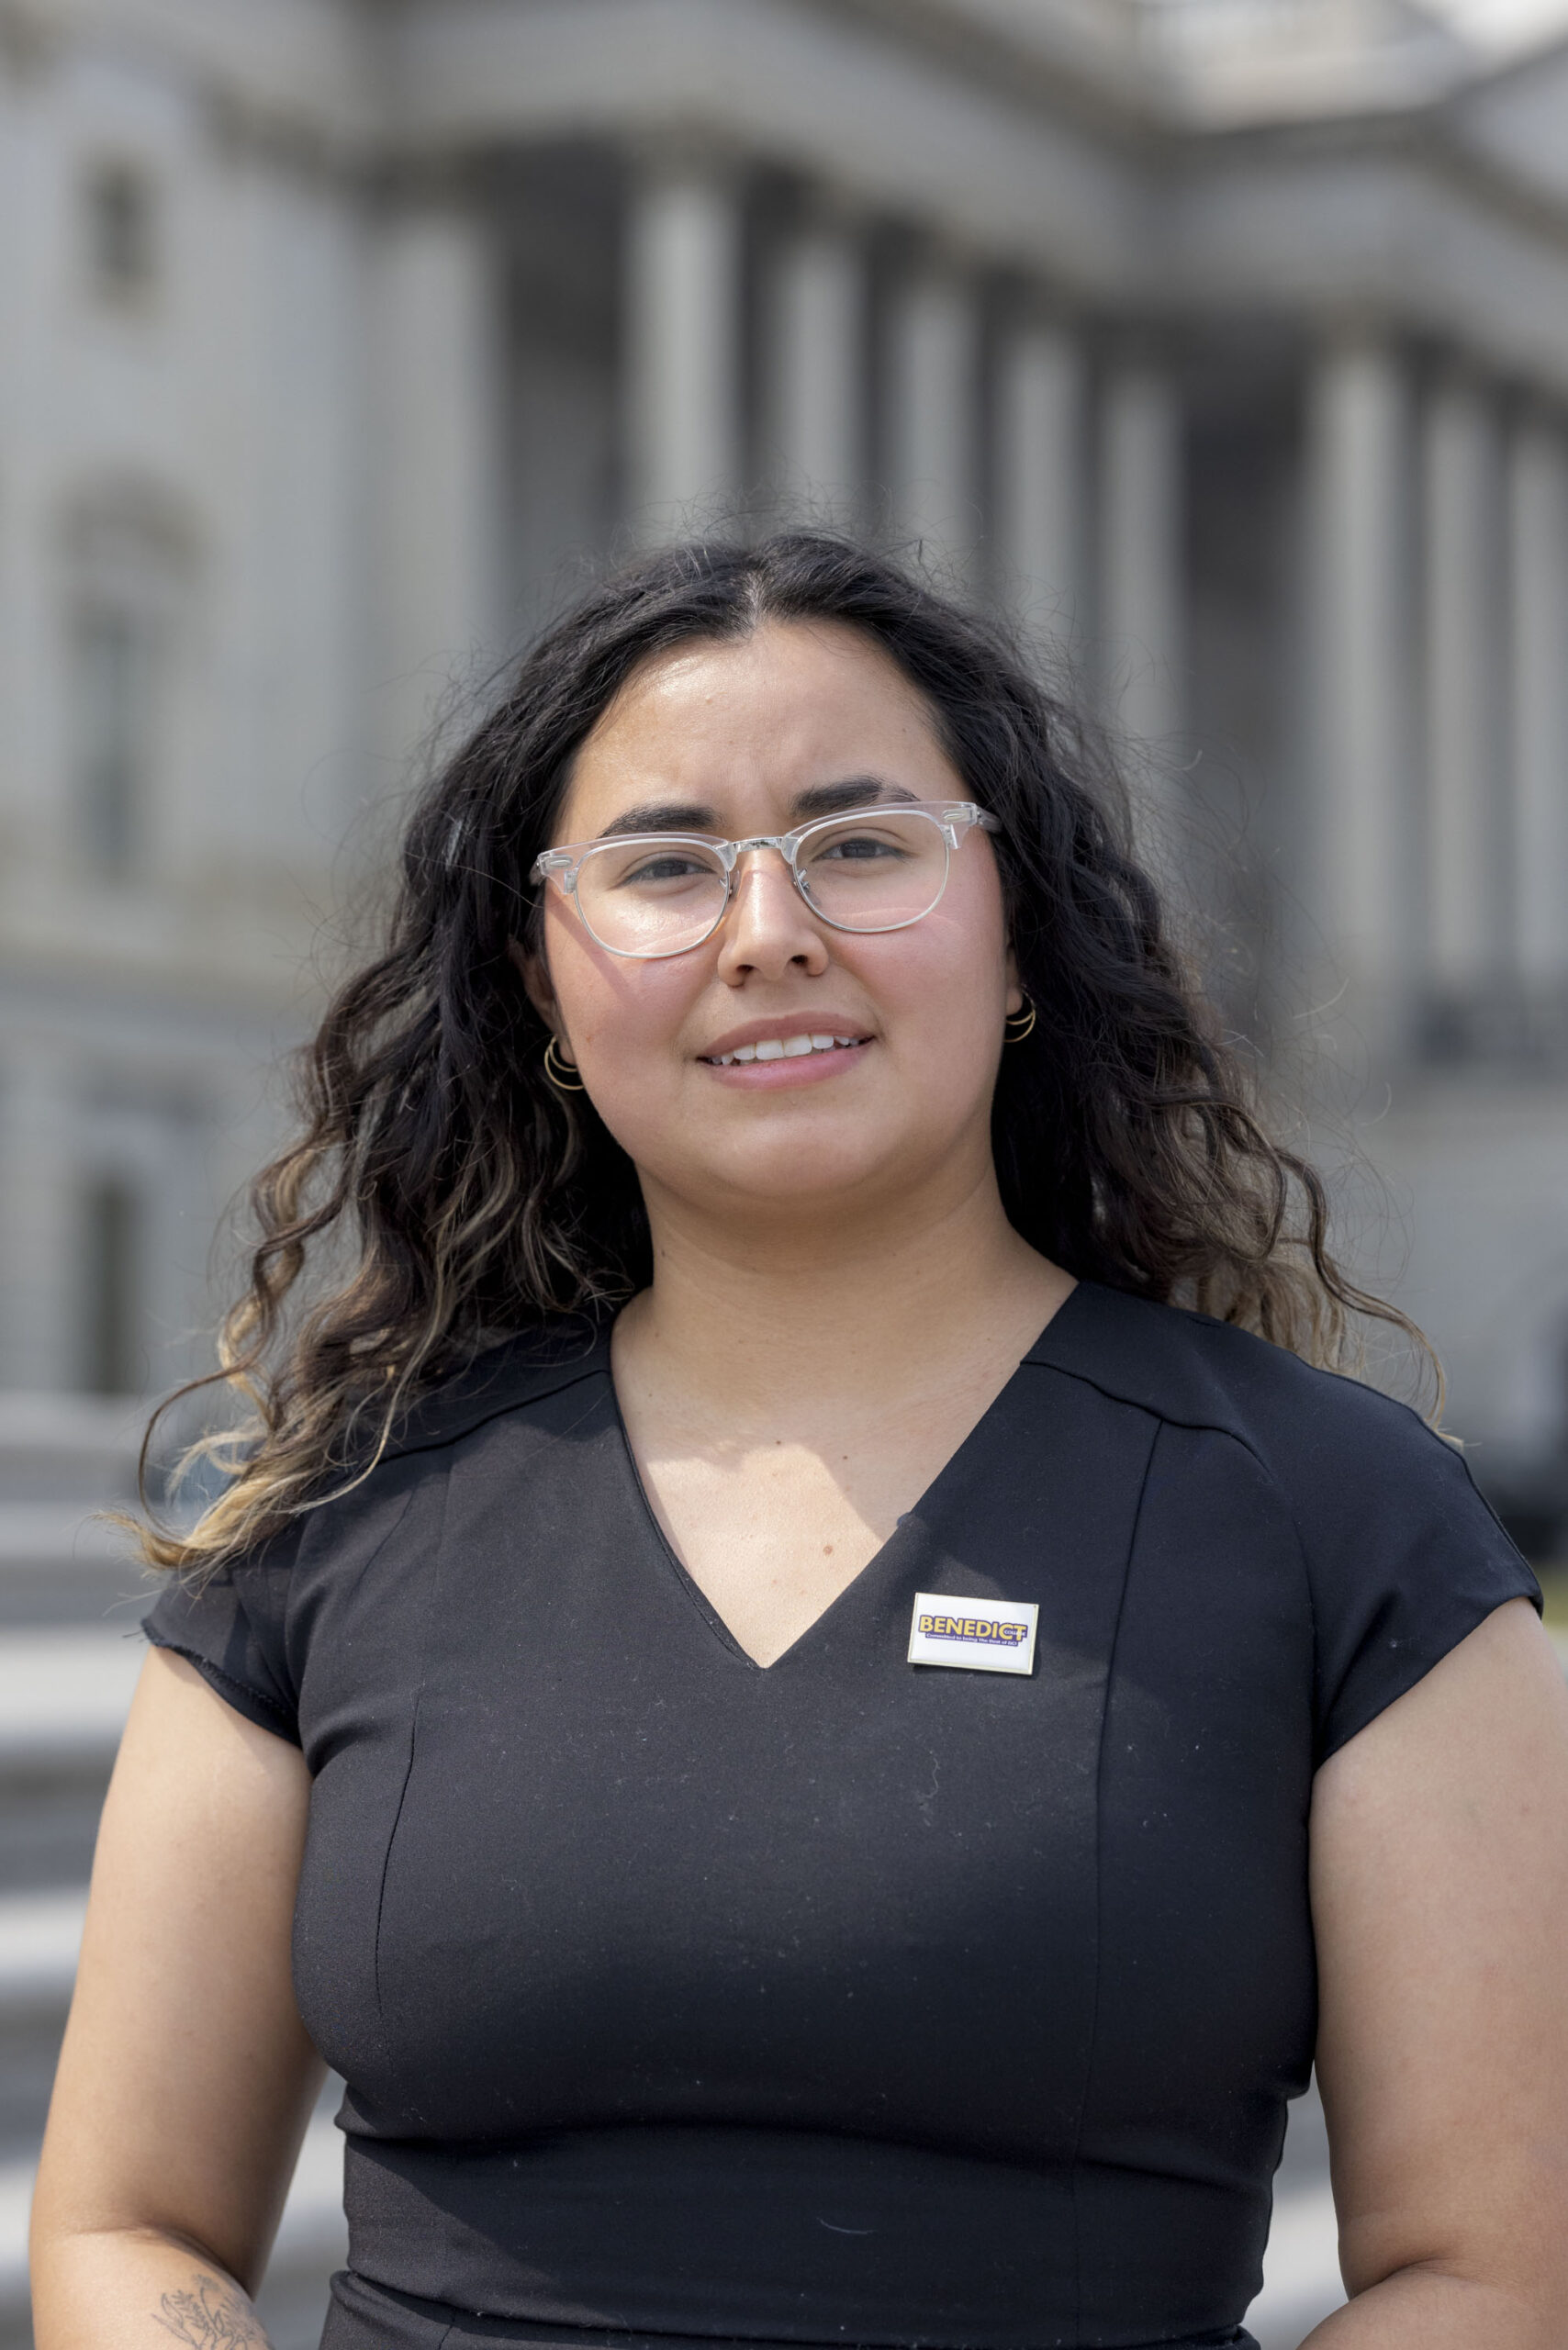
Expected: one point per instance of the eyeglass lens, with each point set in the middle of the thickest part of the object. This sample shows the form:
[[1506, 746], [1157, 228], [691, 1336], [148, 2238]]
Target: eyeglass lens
[[879, 871]]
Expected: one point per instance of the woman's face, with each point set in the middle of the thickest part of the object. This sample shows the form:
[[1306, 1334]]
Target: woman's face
[[737, 739]]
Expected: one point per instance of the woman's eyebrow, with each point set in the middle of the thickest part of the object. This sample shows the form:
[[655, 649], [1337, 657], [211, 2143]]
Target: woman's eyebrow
[[855, 791], [661, 816], [690, 816]]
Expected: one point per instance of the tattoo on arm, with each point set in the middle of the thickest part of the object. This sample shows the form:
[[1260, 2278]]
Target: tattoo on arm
[[213, 2315]]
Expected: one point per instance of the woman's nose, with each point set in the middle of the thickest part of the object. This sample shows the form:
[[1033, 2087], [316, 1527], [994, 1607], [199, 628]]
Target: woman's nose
[[767, 925]]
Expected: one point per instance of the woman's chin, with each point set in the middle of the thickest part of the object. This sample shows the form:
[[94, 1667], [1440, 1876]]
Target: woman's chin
[[821, 1173]]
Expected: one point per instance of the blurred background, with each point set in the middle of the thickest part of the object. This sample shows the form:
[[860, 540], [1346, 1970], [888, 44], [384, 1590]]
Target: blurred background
[[1222, 343]]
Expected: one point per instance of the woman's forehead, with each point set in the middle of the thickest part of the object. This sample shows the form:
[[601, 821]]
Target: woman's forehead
[[793, 704]]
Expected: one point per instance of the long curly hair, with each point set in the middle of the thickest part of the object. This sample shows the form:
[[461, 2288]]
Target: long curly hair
[[441, 1193]]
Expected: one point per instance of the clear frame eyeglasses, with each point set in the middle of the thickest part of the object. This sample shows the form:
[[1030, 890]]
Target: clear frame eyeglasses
[[653, 894]]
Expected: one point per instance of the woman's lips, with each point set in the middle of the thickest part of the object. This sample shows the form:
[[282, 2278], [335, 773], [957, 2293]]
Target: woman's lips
[[775, 1062], [785, 1048]]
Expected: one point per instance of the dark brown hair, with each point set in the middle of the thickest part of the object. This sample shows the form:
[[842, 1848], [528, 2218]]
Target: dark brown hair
[[441, 1192]]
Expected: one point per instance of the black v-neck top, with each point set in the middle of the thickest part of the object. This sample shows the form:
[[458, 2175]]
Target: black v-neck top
[[847, 2000]]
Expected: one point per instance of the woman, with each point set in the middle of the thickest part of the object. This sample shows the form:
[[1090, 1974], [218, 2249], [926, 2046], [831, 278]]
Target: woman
[[834, 1802]]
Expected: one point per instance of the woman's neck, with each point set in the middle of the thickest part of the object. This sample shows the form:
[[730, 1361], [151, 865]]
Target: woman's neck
[[746, 1318]]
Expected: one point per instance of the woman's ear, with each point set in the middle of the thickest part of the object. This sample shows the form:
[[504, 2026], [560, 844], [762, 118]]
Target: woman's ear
[[1015, 986], [534, 973]]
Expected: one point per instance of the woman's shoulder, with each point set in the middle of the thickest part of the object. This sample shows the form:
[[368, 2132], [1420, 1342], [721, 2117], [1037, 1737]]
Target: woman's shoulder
[[506, 1375], [1195, 1371], [371, 1477], [1401, 1555], [249, 1626]]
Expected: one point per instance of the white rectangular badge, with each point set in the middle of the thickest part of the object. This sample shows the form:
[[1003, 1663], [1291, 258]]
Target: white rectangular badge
[[982, 1635]]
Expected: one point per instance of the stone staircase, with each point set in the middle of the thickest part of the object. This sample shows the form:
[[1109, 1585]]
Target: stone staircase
[[70, 1652]]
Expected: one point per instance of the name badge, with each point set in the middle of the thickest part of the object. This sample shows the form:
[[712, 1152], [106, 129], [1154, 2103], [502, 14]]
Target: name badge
[[980, 1634]]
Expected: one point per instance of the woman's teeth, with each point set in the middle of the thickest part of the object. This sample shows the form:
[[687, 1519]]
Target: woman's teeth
[[782, 1048]]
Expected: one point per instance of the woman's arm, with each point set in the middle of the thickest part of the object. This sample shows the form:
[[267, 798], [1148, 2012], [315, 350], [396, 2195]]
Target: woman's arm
[[1440, 1888], [187, 2079]]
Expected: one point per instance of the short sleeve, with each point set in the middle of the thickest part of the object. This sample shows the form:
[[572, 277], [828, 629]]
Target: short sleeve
[[1403, 1556], [232, 1629]]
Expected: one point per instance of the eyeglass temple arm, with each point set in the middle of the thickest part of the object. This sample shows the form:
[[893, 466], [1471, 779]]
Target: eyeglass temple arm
[[958, 815]]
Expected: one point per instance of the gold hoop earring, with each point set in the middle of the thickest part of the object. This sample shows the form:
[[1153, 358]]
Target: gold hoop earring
[[562, 1075], [1020, 1024]]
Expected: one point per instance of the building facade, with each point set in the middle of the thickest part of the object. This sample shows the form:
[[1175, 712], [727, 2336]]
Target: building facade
[[1224, 342]]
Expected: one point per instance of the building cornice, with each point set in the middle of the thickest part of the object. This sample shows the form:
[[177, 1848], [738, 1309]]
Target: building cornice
[[1398, 220], [811, 91], [921, 113]]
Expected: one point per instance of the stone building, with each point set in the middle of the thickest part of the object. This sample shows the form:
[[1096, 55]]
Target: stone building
[[1224, 340]]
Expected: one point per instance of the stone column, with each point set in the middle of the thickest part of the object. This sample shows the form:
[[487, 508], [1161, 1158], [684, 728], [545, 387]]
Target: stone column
[[1041, 463], [1142, 617], [41, 1290], [1538, 542], [815, 369], [933, 379], [1358, 680], [682, 372], [439, 475], [1466, 760]]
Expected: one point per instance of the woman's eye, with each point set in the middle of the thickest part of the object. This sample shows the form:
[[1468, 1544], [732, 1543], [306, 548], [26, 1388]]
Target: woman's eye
[[668, 866], [862, 845]]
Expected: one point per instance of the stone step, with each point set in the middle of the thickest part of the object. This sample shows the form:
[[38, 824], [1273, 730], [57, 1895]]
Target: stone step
[[64, 1692], [40, 1936], [57, 1533], [61, 1565], [48, 1821], [64, 1462], [63, 1695], [1301, 2269], [80, 1448]]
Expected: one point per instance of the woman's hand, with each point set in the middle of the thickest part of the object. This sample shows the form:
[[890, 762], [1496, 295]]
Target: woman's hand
[[187, 2079], [1439, 1882]]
